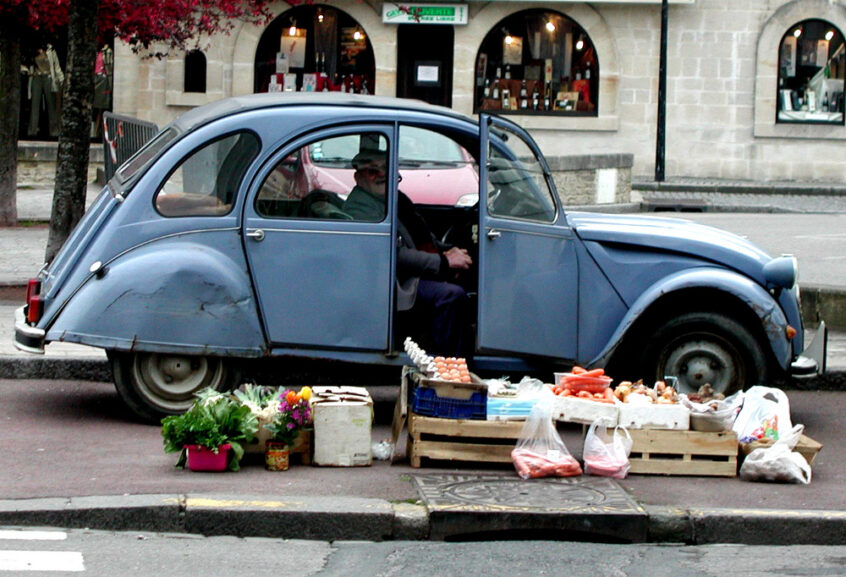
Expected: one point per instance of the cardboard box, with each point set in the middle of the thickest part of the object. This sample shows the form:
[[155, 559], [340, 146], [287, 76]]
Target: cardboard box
[[637, 416], [805, 446], [343, 418]]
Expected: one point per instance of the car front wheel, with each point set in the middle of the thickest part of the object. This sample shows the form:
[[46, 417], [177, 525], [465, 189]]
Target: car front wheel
[[154, 385], [705, 347]]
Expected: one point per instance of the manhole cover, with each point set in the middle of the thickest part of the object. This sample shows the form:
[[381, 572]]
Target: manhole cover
[[459, 492]]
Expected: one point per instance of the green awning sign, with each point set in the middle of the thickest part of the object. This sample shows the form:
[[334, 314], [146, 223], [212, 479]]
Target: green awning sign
[[398, 13]]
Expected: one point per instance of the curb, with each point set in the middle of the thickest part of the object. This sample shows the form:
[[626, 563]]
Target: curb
[[353, 518]]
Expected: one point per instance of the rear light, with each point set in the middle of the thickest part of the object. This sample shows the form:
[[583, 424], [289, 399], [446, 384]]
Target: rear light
[[34, 305]]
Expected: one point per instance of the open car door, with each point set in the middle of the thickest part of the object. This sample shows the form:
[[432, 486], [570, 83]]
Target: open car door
[[528, 273]]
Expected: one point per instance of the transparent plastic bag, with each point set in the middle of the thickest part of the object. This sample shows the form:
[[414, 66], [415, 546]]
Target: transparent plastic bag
[[765, 414], [540, 452], [778, 462], [605, 454]]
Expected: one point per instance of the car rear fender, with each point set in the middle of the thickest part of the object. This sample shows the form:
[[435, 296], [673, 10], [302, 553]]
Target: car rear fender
[[171, 295], [752, 295]]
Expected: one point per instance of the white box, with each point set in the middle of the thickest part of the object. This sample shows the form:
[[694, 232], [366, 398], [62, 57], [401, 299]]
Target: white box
[[575, 410], [654, 416], [343, 417]]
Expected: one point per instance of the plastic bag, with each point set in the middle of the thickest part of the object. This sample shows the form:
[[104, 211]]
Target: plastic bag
[[778, 462], [765, 414], [607, 455], [540, 452], [715, 415]]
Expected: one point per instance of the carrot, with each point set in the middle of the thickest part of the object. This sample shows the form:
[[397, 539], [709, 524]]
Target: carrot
[[577, 370], [593, 373]]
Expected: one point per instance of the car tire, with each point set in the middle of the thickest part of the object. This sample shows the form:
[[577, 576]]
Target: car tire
[[155, 385], [705, 347]]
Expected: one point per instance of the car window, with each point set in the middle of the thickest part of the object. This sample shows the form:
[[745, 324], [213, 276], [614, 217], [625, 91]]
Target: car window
[[206, 182], [145, 155], [316, 181], [517, 185]]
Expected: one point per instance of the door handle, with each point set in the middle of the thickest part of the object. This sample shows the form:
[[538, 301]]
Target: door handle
[[257, 234], [493, 233]]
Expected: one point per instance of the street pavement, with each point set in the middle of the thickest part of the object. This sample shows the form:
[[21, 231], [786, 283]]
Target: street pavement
[[140, 489]]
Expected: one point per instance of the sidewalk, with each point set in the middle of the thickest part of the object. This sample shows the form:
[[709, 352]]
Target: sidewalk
[[106, 486]]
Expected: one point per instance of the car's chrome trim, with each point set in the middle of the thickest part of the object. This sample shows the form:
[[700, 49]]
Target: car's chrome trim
[[812, 361], [310, 231], [27, 338]]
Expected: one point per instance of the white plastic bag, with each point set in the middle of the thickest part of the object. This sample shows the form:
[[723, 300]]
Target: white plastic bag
[[714, 415], [540, 452], [778, 462], [765, 414], [607, 455]]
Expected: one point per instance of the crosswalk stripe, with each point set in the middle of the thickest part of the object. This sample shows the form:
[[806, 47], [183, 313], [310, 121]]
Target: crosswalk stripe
[[21, 535], [41, 561]]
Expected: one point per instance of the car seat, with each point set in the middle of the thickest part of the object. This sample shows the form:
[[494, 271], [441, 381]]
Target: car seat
[[323, 204]]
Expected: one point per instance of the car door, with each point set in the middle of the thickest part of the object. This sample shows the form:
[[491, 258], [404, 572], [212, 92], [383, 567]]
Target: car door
[[528, 273], [323, 280]]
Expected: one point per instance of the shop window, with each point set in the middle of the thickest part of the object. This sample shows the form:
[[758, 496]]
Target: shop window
[[537, 62], [812, 66], [314, 48], [206, 182], [195, 71]]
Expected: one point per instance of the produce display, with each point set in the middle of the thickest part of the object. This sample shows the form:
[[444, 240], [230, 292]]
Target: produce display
[[660, 393], [439, 368], [581, 383]]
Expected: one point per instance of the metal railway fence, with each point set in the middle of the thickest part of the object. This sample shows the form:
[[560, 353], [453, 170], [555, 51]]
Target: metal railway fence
[[122, 137]]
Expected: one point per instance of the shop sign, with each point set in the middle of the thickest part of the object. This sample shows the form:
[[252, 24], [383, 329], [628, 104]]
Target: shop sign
[[398, 13]]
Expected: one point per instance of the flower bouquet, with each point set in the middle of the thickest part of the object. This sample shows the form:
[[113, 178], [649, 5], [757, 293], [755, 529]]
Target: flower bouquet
[[293, 414]]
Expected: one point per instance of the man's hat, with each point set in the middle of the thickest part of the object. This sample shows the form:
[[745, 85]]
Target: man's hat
[[367, 156]]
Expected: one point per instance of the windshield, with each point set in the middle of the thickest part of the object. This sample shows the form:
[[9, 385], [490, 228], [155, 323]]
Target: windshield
[[145, 155]]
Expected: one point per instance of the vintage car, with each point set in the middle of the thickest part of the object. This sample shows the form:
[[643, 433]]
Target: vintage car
[[209, 247]]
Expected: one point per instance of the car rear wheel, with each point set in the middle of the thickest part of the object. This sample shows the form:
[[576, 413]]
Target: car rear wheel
[[705, 347], [154, 385]]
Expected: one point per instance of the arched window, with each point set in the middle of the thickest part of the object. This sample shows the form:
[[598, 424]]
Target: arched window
[[195, 71], [811, 68], [537, 62], [314, 48]]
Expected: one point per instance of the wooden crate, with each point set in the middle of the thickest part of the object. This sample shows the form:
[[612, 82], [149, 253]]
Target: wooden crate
[[666, 452], [461, 439]]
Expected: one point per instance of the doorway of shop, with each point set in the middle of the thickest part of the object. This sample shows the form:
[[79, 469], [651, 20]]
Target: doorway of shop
[[424, 62]]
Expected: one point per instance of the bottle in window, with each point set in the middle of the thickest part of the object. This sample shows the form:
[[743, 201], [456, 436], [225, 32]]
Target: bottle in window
[[825, 102], [495, 90], [524, 96], [535, 97], [487, 90], [508, 72], [506, 97], [547, 93]]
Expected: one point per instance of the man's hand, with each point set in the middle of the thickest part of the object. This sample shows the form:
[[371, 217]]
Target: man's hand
[[458, 258]]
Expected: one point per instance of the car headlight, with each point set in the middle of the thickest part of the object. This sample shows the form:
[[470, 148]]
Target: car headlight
[[781, 272], [469, 199]]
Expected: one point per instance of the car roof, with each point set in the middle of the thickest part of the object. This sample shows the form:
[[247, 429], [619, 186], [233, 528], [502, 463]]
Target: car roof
[[218, 109]]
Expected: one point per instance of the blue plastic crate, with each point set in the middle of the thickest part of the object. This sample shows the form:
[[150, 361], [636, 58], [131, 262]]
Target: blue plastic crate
[[427, 402]]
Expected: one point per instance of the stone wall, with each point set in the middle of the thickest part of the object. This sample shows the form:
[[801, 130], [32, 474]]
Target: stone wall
[[37, 164], [593, 178]]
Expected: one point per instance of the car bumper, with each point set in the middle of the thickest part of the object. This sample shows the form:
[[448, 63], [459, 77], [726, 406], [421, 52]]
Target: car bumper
[[812, 361], [27, 338]]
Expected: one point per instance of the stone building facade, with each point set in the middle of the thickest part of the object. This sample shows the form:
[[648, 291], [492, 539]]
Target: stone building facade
[[724, 81]]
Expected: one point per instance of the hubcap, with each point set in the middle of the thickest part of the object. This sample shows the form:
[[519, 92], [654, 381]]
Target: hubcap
[[170, 381], [698, 362]]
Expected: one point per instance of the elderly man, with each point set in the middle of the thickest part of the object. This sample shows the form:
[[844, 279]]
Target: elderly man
[[424, 264]]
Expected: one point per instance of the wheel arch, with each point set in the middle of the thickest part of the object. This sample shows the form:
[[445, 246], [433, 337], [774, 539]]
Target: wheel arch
[[174, 295], [707, 290]]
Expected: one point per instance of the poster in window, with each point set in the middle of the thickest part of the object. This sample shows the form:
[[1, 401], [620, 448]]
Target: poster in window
[[427, 73], [481, 69], [512, 52], [293, 47], [822, 52], [788, 57], [808, 52], [352, 43]]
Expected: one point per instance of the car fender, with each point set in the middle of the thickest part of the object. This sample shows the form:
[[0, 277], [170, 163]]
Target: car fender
[[170, 295], [756, 298]]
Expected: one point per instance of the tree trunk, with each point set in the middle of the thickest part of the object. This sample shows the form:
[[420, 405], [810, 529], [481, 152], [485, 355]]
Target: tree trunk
[[74, 138], [10, 110]]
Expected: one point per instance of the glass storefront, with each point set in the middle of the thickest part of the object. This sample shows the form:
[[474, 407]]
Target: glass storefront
[[314, 48], [812, 66], [537, 62]]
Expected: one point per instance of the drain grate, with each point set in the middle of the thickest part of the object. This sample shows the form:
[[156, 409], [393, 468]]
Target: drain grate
[[506, 492]]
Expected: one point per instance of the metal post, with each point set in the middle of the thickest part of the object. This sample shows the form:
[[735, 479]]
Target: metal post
[[662, 97]]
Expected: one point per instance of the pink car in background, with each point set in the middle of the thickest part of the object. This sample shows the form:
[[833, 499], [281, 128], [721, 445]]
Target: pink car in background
[[435, 170]]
